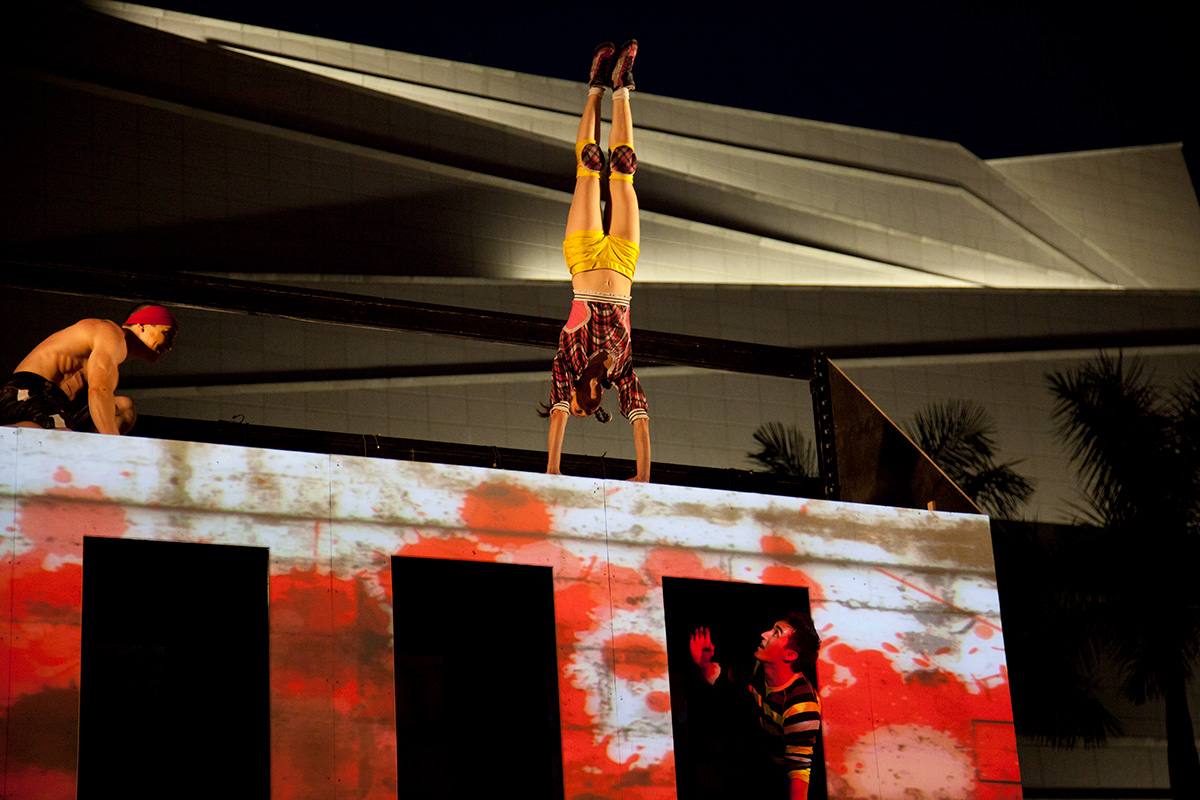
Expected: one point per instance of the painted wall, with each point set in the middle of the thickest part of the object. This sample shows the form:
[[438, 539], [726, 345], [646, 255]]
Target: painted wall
[[912, 670]]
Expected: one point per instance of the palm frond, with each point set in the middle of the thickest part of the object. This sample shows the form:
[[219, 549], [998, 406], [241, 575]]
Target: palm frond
[[784, 450], [1113, 423], [1000, 490], [1136, 454], [959, 436]]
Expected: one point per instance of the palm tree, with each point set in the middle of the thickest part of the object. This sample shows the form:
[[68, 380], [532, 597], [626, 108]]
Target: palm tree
[[959, 436], [1138, 456], [1051, 636], [784, 450]]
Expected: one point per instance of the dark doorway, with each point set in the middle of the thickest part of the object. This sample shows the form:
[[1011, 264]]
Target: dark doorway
[[713, 725], [476, 679], [175, 695]]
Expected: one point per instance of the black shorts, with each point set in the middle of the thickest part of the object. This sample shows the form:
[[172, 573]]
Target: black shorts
[[28, 397]]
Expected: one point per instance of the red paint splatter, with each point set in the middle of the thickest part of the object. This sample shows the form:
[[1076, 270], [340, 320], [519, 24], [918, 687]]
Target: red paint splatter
[[578, 606], [880, 695], [672, 563], [43, 656], [589, 772], [57, 521], [586, 766], [998, 791], [505, 509], [330, 646], [652, 783], [636, 657], [776, 546], [458, 548], [786, 576], [44, 595], [62, 476], [891, 648], [45, 584], [581, 603], [301, 602], [659, 701], [627, 587]]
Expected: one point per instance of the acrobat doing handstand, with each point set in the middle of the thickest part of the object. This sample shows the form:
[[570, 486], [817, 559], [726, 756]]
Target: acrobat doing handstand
[[594, 350]]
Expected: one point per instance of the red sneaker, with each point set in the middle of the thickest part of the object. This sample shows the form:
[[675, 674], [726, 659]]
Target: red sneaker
[[622, 71], [601, 65]]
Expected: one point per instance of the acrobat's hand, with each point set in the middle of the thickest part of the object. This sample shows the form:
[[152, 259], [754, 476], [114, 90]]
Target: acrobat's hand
[[702, 647]]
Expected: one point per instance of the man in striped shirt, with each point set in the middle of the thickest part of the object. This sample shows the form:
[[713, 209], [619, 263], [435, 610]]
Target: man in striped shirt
[[789, 710]]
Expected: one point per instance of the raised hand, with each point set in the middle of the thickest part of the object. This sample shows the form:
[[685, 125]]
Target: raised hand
[[702, 647], [702, 653]]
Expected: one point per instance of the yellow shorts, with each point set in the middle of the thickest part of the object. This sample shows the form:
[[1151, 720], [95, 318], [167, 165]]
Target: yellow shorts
[[588, 250]]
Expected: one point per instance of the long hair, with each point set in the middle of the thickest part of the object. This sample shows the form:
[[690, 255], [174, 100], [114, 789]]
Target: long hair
[[595, 370]]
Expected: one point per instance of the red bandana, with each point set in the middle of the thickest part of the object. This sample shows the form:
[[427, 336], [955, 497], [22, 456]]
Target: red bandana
[[152, 315]]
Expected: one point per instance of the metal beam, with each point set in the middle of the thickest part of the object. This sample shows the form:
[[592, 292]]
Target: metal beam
[[310, 305]]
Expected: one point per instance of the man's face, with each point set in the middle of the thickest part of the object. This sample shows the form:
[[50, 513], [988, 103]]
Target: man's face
[[159, 338], [774, 644]]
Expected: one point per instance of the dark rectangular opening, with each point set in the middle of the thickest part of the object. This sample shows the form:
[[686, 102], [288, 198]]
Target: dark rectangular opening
[[717, 753], [175, 695], [476, 679]]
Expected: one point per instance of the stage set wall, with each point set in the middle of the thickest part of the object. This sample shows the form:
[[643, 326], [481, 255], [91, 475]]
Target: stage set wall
[[912, 671]]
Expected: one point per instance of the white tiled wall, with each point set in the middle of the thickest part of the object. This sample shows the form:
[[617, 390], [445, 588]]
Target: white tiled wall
[[929, 206], [1133, 203]]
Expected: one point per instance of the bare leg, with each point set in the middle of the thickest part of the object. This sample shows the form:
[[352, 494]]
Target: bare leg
[[625, 221], [585, 205]]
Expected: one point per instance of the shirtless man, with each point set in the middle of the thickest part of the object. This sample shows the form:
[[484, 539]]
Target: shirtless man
[[70, 379], [594, 350]]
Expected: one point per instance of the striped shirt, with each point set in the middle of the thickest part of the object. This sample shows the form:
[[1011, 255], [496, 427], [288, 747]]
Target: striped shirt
[[597, 322], [790, 716]]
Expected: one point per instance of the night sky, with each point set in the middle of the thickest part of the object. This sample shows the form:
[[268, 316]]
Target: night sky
[[1003, 80]]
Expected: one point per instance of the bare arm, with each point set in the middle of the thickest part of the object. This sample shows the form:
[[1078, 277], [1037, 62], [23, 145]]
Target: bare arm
[[558, 429], [108, 350], [641, 443]]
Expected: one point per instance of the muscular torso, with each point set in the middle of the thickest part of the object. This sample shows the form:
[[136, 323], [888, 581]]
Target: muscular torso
[[63, 356], [602, 280]]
